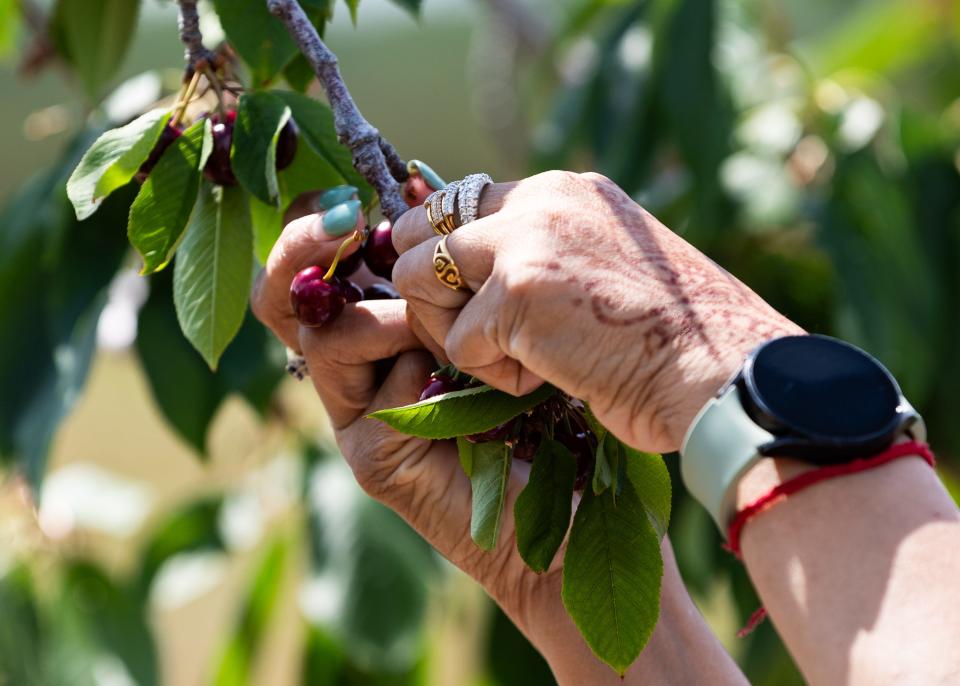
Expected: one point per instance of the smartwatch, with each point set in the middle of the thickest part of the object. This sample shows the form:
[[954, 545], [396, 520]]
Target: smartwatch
[[811, 397]]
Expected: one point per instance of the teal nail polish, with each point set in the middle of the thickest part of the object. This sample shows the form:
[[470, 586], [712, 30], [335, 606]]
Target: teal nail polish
[[431, 177], [341, 219], [336, 195]]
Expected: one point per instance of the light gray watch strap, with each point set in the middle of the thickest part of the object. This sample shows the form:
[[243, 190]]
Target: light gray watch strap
[[719, 447]]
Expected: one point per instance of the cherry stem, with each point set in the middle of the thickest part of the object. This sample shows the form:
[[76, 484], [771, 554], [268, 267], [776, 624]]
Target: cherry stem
[[182, 105], [355, 237]]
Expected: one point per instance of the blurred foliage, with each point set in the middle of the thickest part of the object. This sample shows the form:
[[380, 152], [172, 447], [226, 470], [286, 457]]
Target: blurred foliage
[[811, 149]]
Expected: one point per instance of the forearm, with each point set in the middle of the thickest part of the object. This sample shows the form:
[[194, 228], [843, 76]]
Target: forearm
[[682, 649], [859, 573]]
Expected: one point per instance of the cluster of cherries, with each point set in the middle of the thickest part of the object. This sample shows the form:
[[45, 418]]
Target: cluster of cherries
[[559, 415], [218, 168], [318, 296]]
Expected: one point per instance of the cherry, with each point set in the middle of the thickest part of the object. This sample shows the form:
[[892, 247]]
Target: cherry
[[286, 145], [316, 302], [167, 137], [218, 167], [349, 264], [583, 446], [378, 251], [352, 291], [380, 291], [438, 384], [526, 446]]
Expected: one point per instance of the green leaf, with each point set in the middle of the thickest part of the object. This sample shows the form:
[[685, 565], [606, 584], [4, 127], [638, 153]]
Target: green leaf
[[94, 36], [609, 452], [412, 6], [315, 121], [299, 74], [113, 160], [489, 473], [461, 413], [161, 210], [354, 5], [190, 528], [650, 480], [611, 575], [260, 117], [213, 271], [542, 510], [259, 37], [465, 455], [247, 639], [182, 386]]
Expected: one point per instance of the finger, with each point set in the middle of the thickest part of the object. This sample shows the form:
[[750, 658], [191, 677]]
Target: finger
[[413, 227], [476, 341], [436, 305], [420, 331], [341, 355], [310, 240]]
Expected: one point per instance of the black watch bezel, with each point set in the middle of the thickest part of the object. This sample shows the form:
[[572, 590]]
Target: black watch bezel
[[792, 441]]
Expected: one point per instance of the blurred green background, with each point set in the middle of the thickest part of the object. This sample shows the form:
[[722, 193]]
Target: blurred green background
[[810, 147]]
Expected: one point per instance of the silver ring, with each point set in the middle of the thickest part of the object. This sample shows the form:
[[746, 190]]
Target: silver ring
[[296, 365], [469, 194], [450, 199], [433, 205]]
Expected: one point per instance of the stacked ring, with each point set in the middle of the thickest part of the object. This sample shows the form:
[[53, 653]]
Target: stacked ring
[[445, 268], [469, 196], [441, 221]]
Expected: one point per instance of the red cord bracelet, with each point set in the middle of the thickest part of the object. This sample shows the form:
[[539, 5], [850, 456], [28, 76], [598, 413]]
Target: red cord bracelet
[[798, 483]]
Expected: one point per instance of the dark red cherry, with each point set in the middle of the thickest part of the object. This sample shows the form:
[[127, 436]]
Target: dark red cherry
[[380, 291], [218, 167], [438, 384], [352, 291], [316, 302], [287, 145], [583, 447], [378, 251], [350, 264], [167, 137], [526, 446]]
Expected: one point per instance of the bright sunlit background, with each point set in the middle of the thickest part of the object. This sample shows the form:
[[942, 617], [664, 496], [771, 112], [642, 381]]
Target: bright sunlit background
[[811, 147]]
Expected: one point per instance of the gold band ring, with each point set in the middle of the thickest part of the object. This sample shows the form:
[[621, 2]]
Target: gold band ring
[[445, 268]]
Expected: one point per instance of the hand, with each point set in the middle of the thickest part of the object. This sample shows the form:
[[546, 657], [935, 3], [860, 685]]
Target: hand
[[424, 483], [574, 283]]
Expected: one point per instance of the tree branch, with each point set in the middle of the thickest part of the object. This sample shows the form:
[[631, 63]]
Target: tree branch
[[189, 25], [373, 157]]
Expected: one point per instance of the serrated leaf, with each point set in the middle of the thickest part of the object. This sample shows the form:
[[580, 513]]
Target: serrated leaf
[[465, 454], [489, 472], [259, 37], [607, 464], [650, 479], [94, 36], [260, 118], [212, 274], [542, 510], [611, 575], [461, 413], [160, 212], [113, 160], [315, 121]]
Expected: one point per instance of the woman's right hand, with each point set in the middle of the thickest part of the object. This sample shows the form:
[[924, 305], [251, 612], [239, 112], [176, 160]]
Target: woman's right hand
[[574, 283]]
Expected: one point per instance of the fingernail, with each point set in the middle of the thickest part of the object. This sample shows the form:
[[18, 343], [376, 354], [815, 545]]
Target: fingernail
[[431, 177], [336, 195], [341, 219]]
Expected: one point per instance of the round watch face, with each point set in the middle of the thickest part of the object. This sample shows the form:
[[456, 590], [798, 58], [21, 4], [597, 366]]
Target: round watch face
[[822, 388]]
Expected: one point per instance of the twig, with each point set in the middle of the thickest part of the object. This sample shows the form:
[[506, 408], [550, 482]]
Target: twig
[[190, 36], [373, 157]]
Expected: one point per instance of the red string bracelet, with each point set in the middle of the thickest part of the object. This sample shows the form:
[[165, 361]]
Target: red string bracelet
[[798, 483]]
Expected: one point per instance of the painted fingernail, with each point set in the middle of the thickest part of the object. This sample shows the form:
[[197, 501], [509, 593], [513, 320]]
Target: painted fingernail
[[431, 177], [341, 219], [336, 195]]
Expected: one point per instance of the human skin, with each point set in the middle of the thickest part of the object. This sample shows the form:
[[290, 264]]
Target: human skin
[[571, 282], [424, 483]]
